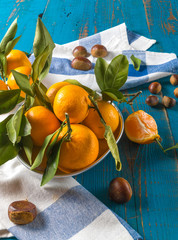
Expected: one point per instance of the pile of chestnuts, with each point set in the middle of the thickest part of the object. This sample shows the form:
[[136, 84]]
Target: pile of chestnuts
[[80, 54], [155, 88]]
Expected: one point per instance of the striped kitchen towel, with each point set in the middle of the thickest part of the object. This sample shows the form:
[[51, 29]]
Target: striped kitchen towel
[[118, 40], [65, 209]]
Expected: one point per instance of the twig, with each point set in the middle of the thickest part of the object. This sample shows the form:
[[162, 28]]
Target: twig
[[136, 95]]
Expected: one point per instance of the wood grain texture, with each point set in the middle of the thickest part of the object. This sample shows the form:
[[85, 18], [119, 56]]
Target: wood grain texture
[[152, 174]]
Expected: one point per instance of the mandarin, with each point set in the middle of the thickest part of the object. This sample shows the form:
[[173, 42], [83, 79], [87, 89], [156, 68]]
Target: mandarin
[[140, 127], [11, 80], [15, 59], [109, 114], [73, 100], [80, 151], [43, 123], [3, 85], [51, 92]]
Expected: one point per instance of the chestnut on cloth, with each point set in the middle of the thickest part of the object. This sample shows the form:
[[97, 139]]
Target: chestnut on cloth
[[66, 210]]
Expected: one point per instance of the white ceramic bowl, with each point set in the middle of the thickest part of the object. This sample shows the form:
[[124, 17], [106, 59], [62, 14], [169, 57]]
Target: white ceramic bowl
[[60, 174]]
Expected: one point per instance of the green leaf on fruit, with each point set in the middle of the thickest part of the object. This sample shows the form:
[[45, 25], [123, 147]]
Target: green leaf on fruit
[[23, 82], [7, 150], [52, 163], [8, 100], [100, 70], [10, 34], [116, 73], [109, 136], [27, 144]]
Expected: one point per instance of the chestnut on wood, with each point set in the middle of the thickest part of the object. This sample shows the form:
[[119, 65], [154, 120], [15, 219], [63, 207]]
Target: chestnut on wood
[[168, 102], [176, 92], [152, 101], [174, 79], [120, 190], [155, 87]]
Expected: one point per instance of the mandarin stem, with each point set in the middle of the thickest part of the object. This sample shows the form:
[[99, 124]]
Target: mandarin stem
[[68, 126], [159, 144], [96, 107]]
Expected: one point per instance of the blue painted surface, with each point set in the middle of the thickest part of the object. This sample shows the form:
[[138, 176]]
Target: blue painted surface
[[152, 174]]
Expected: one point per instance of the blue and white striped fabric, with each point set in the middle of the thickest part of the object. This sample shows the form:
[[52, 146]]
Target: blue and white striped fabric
[[118, 40], [65, 209]]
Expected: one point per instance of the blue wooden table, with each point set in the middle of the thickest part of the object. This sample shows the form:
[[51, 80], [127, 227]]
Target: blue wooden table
[[152, 174]]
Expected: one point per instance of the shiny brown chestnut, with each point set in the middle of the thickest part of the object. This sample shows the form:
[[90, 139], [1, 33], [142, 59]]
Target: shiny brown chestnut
[[99, 51], [81, 63], [120, 190], [79, 51], [174, 79], [152, 101], [155, 87], [168, 102], [22, 212], [176, 92]]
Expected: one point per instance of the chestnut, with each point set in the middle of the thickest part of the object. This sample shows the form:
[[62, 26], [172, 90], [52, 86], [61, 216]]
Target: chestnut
[[81, 63], [152, 100], [168, 102], [22, 212], [155, 87], [176, 92], [120, 190], [79, 51], [174, 79], [99, 51]]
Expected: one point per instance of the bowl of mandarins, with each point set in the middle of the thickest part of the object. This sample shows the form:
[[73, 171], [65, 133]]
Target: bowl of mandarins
[[72, 133]]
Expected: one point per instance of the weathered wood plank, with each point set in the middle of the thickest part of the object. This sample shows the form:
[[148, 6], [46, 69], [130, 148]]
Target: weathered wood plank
[[27, 13], [144, 166]]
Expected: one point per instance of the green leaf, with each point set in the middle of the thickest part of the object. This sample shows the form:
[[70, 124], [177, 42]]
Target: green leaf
[[39, 157], [23, 82], [10, 34], [42, 39], [136, 62], [28, 146], [117, 72], [39, 63], [40, 94], [109, 136], [7, 150], [100, 70], [13, 126], [29, 102], [8, 100], [11, 44], [89, 90], [173, 147], [3, 130], [25, 128], [52, 163], [113, 95], [3, 65]]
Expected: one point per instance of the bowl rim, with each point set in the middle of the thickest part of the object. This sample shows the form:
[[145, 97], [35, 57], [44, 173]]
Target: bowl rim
[[63, 175]]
